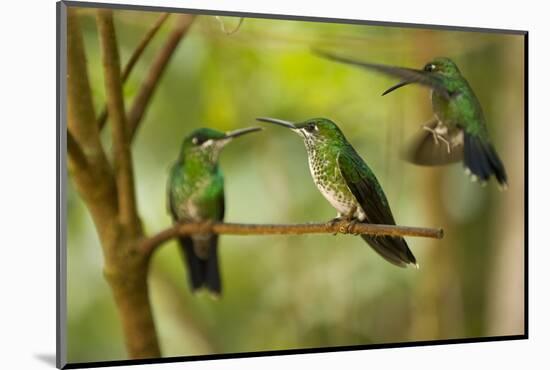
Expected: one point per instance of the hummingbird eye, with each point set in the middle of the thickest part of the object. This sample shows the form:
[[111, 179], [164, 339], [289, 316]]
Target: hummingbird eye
[[430, 67], [196, 141], [311, 127]]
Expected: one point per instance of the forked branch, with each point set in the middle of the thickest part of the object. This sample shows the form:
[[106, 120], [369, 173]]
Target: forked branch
[[90, 169], [133, 60], [80, 108], [341, 227]]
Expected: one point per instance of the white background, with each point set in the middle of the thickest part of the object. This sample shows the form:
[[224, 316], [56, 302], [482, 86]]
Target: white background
[[27, 194]]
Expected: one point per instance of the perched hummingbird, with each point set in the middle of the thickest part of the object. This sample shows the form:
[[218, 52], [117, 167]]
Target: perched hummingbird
[[348, 184], [458, 130], [195, 193]]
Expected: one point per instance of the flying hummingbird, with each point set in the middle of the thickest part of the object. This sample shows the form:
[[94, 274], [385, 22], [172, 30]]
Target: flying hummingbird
[[195, 193], [348, 184], [457, 131]]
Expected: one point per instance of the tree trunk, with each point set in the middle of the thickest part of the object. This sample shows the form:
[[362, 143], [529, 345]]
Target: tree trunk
[[125, 266], [126, 270]]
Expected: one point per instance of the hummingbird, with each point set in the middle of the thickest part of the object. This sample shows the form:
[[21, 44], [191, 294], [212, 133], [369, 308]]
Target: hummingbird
[[457, 131], [348, 184], [196, 194]]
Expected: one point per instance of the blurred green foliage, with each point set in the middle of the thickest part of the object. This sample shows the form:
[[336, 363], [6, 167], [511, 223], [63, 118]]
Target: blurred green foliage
[[320, 290]]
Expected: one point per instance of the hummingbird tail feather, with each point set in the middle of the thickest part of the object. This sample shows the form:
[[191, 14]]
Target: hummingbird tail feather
[[212, 274], [393, 249], [195, 266], [202, 272], [481, 159]]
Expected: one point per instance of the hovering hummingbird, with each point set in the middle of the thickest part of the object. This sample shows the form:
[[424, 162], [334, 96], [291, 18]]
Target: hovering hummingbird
[[195, 193], [348, 184], [457, 131]]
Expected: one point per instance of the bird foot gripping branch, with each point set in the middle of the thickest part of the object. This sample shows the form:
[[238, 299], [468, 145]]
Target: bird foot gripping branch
[[343, 226]]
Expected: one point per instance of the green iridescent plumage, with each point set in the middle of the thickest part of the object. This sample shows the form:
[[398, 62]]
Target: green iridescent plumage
[[348, 183], [458, 130], [196, 193]]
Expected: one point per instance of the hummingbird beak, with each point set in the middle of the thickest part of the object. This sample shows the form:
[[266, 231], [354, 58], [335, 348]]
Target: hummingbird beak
[[229, 136], [279, 122], [242, 131], [395, 87]]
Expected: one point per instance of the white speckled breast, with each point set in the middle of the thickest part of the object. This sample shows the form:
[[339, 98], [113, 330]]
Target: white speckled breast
[[326, 175]]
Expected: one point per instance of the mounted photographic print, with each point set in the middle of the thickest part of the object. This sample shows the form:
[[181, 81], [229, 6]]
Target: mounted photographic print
[[236, 185]]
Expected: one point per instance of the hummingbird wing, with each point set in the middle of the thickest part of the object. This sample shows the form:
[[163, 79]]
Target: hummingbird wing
[[196, 267], [369, 194], [364, 187], [201, 256], [407, 75], [454, 144], [425, 150]]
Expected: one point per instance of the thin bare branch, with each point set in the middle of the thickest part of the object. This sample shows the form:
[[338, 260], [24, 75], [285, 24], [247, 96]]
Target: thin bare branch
[[133, 60], [115, 104], [142, 45], [342, 227], [229, 32], [141, 101]]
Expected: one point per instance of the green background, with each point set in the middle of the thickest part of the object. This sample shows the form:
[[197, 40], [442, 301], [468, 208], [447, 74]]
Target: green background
[[284, 292]]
